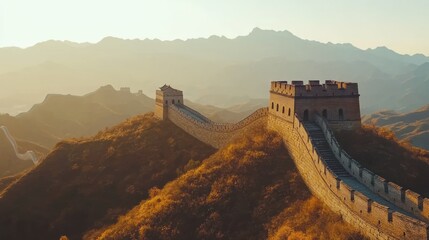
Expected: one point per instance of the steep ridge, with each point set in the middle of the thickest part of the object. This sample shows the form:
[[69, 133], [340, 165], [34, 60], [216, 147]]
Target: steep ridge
[[249, 189], [87, 183], [381, 209]]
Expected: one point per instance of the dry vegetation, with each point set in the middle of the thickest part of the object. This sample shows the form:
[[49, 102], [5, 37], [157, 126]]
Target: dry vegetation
[[248, 190], [88, 183], [380, 151]]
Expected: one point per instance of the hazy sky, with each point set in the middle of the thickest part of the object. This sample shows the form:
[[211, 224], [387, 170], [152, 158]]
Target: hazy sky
[[398, 24]]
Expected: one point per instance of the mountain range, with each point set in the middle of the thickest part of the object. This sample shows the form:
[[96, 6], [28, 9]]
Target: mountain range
[[213, 71]]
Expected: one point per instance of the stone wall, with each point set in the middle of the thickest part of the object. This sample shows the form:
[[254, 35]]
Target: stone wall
[[404, 198], [214, 134], [373, 219]]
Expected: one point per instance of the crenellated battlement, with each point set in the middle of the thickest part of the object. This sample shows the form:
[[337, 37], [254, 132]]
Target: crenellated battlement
[[303, 116], [314, 88]]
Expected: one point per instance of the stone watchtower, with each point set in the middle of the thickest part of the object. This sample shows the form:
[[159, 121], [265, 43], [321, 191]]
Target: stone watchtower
[[165, 97], [337, 102]]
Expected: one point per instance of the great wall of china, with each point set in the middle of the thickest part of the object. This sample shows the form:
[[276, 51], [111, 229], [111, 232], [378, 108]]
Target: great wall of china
[[379, 208], [27, 156]]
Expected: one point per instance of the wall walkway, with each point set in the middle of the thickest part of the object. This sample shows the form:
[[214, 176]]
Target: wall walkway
[[380, 209], [214, 134]]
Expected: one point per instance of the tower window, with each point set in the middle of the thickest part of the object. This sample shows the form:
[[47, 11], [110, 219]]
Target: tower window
[[288, 113], [172, 101], [166, 102], [325, 113], [277, 108], [283, 109], [272, 105], [306, 115], [341, 114]]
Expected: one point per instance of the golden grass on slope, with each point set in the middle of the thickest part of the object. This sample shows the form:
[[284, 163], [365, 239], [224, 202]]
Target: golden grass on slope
[[305, 219], [87, 183], [248, 190], [381, 152]]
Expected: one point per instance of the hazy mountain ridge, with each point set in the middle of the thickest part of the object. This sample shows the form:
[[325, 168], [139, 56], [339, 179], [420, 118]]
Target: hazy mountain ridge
[[63, 116], [66, 116], [239, 67], [412, 126]]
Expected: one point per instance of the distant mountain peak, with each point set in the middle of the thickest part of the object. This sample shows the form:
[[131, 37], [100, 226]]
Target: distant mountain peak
[[110, 39], [57, 44], [106, 88], [382, 49], [263, 32]]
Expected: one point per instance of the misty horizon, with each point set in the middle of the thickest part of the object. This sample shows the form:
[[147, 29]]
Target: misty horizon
[[85, 43]]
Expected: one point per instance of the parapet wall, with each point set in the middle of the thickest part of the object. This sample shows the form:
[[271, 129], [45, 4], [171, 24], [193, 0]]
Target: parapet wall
[[374, 220], [215, 134], [314, 89], [404, 198]]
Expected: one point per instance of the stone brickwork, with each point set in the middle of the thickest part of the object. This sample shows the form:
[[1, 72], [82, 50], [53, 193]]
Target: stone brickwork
[[373, 219], [371, 215], [338, 102], [404, 198], [214, 134], [165, 97]]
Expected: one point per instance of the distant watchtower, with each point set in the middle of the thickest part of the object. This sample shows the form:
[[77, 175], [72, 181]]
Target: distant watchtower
[[165, 97], [337, 102]]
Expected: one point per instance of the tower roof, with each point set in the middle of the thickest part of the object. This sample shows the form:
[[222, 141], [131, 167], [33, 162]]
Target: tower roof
[[167, 89]]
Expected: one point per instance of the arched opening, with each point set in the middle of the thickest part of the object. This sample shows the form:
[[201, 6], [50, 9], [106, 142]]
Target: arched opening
[[288, 113], [325, 113], [172, 101], [178, 101], [306, 115], [283, 109], [341, 114], [277, 108], [272, 105]]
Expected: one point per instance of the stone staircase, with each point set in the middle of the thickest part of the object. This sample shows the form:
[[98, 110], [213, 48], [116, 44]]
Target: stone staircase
[[319, 141]]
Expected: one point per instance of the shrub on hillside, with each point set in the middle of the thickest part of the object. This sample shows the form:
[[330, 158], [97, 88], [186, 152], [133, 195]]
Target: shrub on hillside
[[250, 189], [381, 152]]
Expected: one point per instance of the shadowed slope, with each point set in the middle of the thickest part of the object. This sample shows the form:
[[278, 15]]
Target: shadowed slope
[[379, 151], [250, 189], [87, 183]]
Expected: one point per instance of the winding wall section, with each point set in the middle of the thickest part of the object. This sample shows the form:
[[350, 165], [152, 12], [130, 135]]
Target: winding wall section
[[29, 155], [214, 134], [360, 197]]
